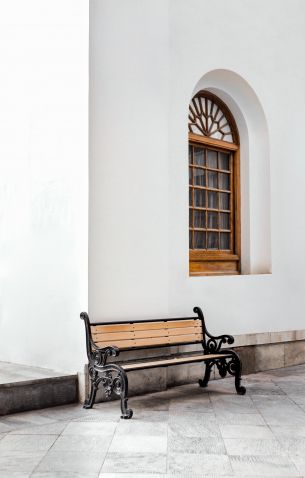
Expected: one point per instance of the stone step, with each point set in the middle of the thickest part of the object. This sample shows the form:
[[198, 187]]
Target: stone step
[[25, 388]]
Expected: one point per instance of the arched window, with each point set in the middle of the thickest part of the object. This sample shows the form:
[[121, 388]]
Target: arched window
[[214, 191]]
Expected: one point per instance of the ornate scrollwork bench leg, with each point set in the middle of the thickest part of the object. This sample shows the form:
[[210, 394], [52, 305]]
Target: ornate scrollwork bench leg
[[227, 365], [114, 381], [212, 345], [232, 366], [112, 377]]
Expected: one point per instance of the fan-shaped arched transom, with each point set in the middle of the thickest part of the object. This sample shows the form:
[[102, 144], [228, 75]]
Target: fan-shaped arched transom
[[209, 116]]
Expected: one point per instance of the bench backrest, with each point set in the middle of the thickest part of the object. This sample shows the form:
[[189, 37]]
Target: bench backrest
[[145, 334]]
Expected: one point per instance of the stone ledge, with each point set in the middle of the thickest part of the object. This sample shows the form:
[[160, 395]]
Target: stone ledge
[[264, 338]]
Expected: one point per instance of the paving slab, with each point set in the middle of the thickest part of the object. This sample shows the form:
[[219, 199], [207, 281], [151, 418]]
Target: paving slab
[[187, 432]]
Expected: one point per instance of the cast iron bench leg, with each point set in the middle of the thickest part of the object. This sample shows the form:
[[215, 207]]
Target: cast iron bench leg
[[237, 365], [126, 412], [204, 382], [89, 402]]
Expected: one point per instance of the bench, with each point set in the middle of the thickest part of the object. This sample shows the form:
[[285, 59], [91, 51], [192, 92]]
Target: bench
[[106, 340]]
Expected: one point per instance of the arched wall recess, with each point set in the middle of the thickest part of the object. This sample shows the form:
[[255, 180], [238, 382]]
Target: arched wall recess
[[254, 165]]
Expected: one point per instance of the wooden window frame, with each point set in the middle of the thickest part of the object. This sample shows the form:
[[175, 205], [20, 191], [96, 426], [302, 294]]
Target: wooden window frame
[[203, 262]]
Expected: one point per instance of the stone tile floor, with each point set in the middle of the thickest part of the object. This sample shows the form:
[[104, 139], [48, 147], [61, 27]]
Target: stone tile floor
[[185, 431]]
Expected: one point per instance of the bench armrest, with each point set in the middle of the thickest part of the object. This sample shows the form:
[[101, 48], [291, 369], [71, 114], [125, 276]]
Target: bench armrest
[[100, 356], [96, 355], [214, 342]]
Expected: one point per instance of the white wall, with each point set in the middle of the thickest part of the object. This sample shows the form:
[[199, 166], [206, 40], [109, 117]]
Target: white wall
[[128, 226], [43, 181], [146, 60]]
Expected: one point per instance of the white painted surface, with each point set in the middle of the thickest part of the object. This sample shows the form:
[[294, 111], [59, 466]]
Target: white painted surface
[[146, 60], [43, 181], [128, 225]]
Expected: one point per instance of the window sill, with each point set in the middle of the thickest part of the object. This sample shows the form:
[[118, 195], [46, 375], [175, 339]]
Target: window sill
[[213, 263], [215, 273]]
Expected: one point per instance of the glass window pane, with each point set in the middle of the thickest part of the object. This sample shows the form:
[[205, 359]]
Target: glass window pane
[[199, 195], [211, 159], [199, 177], [199, 156], [190, 175], [224, 201], [199, 219], [212, 200], [212, 179], [212, 220], [191, 196], [191, 239], [224, 161], [212, 240], [224, 220], [224, 181], [190, 153], [224, 241], [199, 240], [191, 218]]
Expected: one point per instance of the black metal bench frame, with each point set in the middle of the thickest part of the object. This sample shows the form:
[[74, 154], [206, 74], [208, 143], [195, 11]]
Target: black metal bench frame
[[114, 379]]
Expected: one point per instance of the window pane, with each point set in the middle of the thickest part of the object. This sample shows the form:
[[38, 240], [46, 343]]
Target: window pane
[[224, 201], [224, 241], [190, 175], [199, 240], [212, 220], [224, 220], [190, 153], [224, 161], [191, 197], [224, 181], [199, 156], [212, 179], [199, 219], [191, 239], [191, 218], [211, 159], [199, 195], [212, 199], [199, 177], [212, 240]]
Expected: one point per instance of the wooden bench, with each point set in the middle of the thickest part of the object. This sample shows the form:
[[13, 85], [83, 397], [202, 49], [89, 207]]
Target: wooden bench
[[106, 340]]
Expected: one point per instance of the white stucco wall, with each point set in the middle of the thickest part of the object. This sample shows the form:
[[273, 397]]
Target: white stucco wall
[[43, 181], [128, 231], [146, 59]]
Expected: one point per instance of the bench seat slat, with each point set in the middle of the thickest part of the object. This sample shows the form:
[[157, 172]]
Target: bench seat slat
[[171, 361]]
